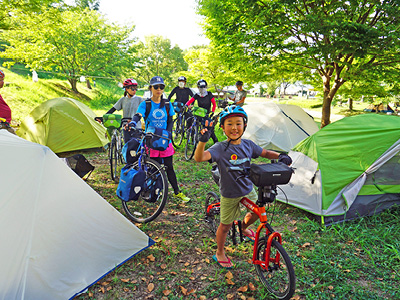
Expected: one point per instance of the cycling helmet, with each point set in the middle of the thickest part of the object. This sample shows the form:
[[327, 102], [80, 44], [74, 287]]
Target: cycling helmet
[[182, 78], [2, 75], [232, 111], [202, 83], [239, 82], [129, 82]]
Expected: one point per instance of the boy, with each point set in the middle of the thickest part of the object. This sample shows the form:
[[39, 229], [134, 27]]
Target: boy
[[234, 151]]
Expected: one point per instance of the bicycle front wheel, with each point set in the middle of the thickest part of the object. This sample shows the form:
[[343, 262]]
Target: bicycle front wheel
[[113, 156], [178, 131], [212, 211], [153, 198], [278, 276], [191, 142]]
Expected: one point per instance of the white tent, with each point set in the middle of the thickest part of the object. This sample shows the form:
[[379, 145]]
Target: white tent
[[278, 126], [58, 236]]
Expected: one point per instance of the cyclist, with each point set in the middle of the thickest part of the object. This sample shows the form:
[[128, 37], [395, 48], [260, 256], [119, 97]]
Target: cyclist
[[240, 94], [129, 104], [5, 110], [204, 99], [234, 151], [183, 94], [159, 116]]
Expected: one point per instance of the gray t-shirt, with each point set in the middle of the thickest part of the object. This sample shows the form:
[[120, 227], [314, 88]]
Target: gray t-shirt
[[129, 107], [238, 96], [235, 155]]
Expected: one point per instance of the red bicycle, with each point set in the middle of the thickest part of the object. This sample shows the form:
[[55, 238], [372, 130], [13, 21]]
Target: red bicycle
[[272, 263]]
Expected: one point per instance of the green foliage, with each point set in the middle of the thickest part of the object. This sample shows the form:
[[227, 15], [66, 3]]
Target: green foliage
[[337, 40], [75, 43], [156, 57]]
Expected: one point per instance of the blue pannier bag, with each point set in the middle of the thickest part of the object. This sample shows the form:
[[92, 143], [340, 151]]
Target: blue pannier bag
[[177, 106], [131, 183], [153, 188], [130, 151], [160, 140]]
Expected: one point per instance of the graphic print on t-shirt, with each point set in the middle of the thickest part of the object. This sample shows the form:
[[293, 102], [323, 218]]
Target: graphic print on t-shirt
[[158, 118]]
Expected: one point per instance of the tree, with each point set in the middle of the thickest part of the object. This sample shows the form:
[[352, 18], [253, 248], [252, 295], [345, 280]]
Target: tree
[[204, 63], [75, 43], [156, 57], [337, 40]]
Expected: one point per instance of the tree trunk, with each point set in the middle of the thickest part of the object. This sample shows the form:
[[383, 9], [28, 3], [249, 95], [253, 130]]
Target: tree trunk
[[73, 83], [88, 84], [350, 104], [329, 93]]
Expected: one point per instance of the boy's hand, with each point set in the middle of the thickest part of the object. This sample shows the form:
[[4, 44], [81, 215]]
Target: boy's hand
[[285, 159], [205, 133]]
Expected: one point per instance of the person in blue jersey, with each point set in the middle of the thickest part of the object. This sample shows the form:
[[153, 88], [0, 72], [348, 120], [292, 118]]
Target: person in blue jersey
[[158, 115]]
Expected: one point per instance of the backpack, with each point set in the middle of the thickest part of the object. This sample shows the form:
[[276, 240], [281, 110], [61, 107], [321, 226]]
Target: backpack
[[148, 108], [154, 189], [131, 183]]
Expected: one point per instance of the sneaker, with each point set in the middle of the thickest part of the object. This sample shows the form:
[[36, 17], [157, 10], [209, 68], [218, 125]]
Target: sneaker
[[182, 197]]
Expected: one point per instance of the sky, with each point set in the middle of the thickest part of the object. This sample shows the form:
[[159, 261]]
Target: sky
[[173, 19]]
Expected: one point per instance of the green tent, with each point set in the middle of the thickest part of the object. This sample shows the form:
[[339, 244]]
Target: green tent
[[63, 124], [348, 169]]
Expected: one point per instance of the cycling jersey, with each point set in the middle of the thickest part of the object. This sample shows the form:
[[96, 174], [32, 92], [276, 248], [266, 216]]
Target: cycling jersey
[[182, 95], [204, 102]]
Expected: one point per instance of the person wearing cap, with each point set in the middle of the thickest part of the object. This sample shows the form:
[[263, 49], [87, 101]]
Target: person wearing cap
[[206, 100], [5, 110], [129, 104], [183, 93], [160, 117], [240, 94]]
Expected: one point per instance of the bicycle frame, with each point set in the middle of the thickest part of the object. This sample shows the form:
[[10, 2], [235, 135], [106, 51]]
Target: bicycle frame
[[262, 214]]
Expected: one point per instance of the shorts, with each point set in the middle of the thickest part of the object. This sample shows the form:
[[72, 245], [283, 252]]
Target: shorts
[[168, 152], [230, 208]]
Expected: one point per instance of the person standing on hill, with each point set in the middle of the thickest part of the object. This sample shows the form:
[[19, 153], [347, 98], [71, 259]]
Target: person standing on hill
[[129, 104], [5, 110]]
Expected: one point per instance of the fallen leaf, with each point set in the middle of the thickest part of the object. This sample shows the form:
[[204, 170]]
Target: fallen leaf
[[90, 294], [105, 283], [125, 280], [295, 297], [228, 281], [184, 291], [150, 287], [230, 296], [102, 289], [202, 297], [243, 289], [151, 257], [306, 245], [166, 292], [229, 275], [330, 287], [207, 260], [192, 278], [163, 266], [252, 287], [126, 290]]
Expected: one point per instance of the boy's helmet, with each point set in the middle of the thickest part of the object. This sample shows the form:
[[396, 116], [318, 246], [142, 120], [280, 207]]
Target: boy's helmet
[[129, 82], [182, 78], [201, 83], [232, 111], [2, 75]]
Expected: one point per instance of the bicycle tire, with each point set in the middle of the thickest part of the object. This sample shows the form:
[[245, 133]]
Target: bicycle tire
[[178, 131], [279, 279], [113, 156], [191, 142], [212, 215], [146, 209]]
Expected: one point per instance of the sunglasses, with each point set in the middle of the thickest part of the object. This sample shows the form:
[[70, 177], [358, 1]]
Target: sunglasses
[[133, 88], [158, 86]]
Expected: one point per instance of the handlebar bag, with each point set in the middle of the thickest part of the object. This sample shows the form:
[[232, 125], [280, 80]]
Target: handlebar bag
[[160, 140], [111, 120], [131, 183], [177, 106], [268, 174], [130, 151], [199, 111]]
